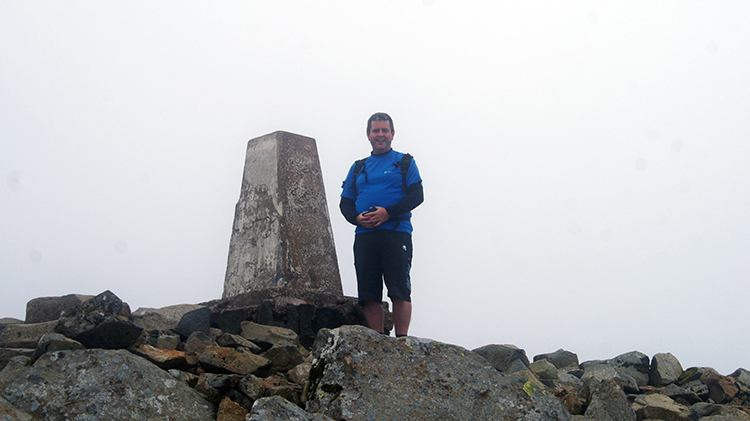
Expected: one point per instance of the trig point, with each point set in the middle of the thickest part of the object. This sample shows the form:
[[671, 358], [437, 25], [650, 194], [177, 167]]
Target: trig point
[[282, 234]]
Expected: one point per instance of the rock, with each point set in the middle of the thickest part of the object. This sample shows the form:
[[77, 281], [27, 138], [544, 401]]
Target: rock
[[609, 403], [54, 342], [267, 336], [197, 342], [197, 320], [714, 412], [721, 388], [544, 369], [634, 364], [166, 359], [359, 374], [104, 385], [742, 376], [214, 385], [503, 357], [15, 367], [277, 385], [281, 236], [275, 408], [234, 341], [25, 335], [7, 354], [100, 323], [284, 357], [47, 309], [11, 413], [166, 339], [230, 361], [251, 386], [300, 373], [680, 395], [165, 318], [230, 411], [665, 369], [659, 407], [560, 358]]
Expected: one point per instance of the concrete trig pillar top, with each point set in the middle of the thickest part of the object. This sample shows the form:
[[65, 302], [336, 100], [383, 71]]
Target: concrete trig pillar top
[[282, 234]]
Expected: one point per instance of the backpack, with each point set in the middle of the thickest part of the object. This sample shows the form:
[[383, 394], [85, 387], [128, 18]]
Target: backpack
[[359, 167]]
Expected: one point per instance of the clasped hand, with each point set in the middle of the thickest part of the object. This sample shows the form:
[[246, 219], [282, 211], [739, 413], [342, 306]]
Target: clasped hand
[[373, 219]]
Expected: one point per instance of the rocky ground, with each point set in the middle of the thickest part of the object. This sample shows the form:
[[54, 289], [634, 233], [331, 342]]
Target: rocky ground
[[266, 356]]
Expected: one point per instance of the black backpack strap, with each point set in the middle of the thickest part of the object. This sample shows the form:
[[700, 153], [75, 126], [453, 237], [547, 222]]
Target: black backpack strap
[[359, 166], [405, 162]]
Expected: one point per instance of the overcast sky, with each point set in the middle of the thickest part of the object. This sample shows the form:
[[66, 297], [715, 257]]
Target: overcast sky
[[585, 164]]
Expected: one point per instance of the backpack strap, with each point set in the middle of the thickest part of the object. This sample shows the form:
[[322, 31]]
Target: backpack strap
[[405, 162], [359, 167]]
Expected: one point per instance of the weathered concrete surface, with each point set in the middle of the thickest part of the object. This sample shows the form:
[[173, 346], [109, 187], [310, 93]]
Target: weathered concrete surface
[[282, 234]]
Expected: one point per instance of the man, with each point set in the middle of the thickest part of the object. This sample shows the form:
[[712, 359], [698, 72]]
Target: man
[[378, 195]]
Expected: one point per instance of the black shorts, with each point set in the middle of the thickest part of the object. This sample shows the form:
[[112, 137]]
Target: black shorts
[[383, 255]]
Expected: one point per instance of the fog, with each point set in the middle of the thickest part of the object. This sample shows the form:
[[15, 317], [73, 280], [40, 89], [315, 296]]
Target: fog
[[584, 164]]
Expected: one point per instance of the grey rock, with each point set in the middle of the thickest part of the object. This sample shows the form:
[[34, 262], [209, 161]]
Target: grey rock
[[300, 373], [359, 374], [13, 369], [665, 369], [680, 395], [560, 358], [25, 335], [267, 336], [284, 357], [98, 384], [659, 407], [165, 318], [228, 360], [234, 341], [281, 236], [46, 309], [251, 386], [100, 322], [8, 354], [276, 408], [714, 412], [504, 357], [167, 339], [197, 342], [634, 364], [544, 369], [609, 403], [742, 376], [197, 320], [10, 413], [54, 342]]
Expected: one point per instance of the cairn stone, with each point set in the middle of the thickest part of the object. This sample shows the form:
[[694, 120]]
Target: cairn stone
[[282, 234]]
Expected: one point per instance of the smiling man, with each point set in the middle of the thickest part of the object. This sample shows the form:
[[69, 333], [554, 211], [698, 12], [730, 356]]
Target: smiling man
[[378, 196]]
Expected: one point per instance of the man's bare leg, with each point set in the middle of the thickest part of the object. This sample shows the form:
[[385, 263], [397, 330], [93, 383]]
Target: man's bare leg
[[374, 315], [401, 316]]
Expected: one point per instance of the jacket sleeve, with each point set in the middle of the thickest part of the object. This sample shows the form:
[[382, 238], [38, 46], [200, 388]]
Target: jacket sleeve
[[414, 197], [349, 210]]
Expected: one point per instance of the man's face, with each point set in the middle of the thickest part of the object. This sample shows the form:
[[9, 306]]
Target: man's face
[[380, 137]]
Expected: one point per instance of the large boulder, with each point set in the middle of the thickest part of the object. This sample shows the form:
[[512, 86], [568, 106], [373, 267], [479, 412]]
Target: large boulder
[[45, 309], [98, 384], [665, 369], [165, 318], [101, 322], [25, 335], [560, 358], [276, 408], [359, 374], [502, 357]]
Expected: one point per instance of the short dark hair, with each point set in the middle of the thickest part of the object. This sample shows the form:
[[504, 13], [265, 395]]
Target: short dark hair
[[379, 117]]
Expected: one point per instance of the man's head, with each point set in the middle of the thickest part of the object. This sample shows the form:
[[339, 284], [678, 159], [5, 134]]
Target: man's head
[[380, 133]]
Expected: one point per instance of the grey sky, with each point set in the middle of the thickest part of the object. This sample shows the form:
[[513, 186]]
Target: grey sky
[[585, 163]]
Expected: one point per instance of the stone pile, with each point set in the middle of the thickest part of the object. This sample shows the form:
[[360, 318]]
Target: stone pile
[[269, 357]]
